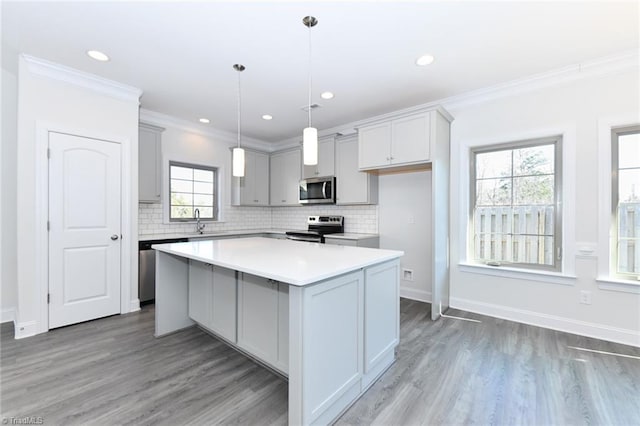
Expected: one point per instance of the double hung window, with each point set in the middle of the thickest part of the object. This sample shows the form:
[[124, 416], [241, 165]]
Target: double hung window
[[515, 204], [192, 187]]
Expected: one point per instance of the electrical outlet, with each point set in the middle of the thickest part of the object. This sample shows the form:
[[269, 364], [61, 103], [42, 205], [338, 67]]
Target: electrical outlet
[[407, 275], [585, 297]]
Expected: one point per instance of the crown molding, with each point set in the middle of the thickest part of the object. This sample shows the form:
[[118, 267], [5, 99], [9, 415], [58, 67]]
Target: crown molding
[[157, 118], [82, 79]]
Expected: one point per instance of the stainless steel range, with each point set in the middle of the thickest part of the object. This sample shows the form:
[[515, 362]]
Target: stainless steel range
[[317, 228]]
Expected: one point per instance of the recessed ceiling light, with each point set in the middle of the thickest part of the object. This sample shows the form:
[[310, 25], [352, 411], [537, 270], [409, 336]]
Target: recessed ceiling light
[[97, 55], [424, 60], [267, 117], [205, 120], [326, 95]]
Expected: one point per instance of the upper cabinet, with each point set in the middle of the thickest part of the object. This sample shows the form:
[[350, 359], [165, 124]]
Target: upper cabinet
[[149, 163], [285, 177], [253, 188], [325, 166], [353, 186], [402, 141]]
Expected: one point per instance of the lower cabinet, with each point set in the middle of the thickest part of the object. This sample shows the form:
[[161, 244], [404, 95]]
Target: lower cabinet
[[263, 319], [212, 298]]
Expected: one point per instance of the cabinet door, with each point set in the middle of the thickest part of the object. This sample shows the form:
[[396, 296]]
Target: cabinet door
[[410, 139], [200, 280], [325, 166], [374, 146], [258, 317], [261, 179], [223, 315], [353, 186], [285, 178], [149, 167]]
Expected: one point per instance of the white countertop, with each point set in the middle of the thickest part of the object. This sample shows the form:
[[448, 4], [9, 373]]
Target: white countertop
[[351, 236], [292, 262], [213, 234]]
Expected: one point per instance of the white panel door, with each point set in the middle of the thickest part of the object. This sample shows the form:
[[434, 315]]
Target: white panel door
[[84, 237]]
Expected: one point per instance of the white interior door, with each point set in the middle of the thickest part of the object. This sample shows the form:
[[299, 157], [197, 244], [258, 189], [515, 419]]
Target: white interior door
[[84, 235]]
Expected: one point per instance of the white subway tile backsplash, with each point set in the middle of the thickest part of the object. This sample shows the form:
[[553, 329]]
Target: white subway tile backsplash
[[357, 219]]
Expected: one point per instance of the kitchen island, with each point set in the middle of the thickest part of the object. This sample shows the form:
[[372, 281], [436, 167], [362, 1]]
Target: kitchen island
[[325, 316]]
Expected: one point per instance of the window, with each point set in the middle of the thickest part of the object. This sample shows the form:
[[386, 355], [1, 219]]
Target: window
[[625, 197], [515, 204], [192, 188]]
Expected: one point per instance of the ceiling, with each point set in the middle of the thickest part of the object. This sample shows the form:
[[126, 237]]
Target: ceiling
[[181, 53]]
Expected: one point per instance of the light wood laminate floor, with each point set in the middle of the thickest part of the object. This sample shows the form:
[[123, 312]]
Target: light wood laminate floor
[[113, 371]]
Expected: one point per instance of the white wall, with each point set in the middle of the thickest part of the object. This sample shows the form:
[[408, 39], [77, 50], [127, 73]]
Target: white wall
[[405, 224], [574, 108], [50, 101], [8, 188]]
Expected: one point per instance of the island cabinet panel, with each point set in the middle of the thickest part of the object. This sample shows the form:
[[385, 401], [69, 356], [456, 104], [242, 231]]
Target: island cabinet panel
[[262, 312], [212, 298], [381, 318]]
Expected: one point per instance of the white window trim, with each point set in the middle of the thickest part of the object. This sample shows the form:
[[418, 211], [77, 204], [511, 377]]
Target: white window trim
[[607, 279], [567, 274]]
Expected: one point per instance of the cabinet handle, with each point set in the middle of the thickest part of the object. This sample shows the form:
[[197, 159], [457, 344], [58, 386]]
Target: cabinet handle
[[284, 201]]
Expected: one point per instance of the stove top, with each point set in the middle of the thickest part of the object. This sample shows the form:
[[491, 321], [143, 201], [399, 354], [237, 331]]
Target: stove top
[[317, 227]]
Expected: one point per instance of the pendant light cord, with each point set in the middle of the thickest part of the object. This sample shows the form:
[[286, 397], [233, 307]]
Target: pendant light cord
[[309, 25], [239, 101]]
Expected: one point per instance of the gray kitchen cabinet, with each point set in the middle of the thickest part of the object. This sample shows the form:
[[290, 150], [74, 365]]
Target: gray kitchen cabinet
[[403, 141], [263, 312], [212, 298], [285, 178], [253, 188], [149, 163], [352, 185], [326, 160], [372, 241]]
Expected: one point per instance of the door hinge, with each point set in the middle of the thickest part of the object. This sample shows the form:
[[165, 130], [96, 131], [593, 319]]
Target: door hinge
[[48, 152], [48, 298]]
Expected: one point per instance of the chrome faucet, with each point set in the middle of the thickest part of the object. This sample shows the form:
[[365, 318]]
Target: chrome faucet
[[199, 226]]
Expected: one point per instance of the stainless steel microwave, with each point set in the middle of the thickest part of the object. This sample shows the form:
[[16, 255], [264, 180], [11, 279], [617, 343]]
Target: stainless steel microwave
[[320, 190]]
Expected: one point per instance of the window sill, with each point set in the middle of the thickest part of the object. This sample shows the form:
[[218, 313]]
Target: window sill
[[521, 274], [617, 284]]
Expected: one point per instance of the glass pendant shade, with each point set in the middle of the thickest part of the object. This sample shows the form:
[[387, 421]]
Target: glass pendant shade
[[238, 162], [310, 146]]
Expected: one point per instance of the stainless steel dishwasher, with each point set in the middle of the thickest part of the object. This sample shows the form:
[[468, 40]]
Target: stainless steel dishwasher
[[147, 268]]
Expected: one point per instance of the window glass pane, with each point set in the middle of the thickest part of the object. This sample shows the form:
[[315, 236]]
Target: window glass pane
[[181, 185], [203, 188], [181, 212], [533, 190], [493, 164], [205, 212], [178, 172], [629, 186], [202, 200], [181, 199], [629, 151], [535, 160], [203, 175], [493, 192]]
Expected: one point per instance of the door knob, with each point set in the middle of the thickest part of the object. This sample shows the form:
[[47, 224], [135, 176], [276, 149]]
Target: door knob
[[114, 237]]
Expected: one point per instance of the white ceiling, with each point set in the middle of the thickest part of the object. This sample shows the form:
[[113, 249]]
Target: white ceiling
[[181, 54]]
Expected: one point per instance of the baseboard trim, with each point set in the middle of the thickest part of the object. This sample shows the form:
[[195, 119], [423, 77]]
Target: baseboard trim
[[134, 305], [567, 325], [414, 294], [26, 329], [8, 315]]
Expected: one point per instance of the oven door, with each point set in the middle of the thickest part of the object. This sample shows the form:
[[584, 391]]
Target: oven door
[[310, 237], [320, 190]]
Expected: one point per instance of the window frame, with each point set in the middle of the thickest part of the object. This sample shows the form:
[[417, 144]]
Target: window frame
[[558, 256], [215, 205], [616, 132]]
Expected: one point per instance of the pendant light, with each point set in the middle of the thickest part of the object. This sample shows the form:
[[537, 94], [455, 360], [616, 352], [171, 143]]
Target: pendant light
[[238, 153], [310, 134]]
